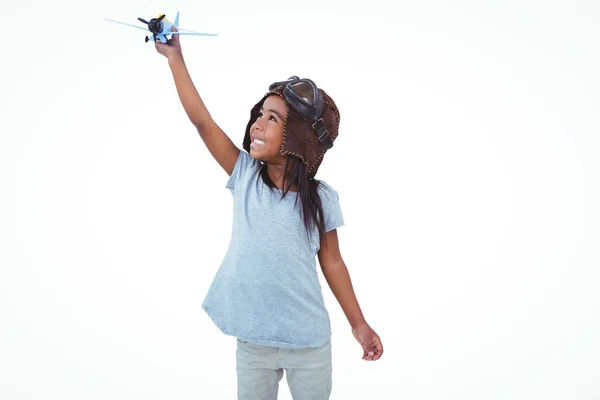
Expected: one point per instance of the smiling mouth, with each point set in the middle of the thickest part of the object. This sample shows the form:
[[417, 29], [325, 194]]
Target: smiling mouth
[[257, 142]]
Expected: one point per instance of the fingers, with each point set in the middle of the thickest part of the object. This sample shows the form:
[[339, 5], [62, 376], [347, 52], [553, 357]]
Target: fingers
[[369, 351], [378, 348], [160, 47], [174, 37], [378, 352], [372, 350]]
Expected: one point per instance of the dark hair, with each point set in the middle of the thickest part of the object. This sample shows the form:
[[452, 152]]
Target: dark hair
[[295, 171]]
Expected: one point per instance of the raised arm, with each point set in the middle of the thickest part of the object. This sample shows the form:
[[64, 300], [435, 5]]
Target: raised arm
[[218, 143]]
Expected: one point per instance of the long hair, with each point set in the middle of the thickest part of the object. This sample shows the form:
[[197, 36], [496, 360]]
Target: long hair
[[295, 171]]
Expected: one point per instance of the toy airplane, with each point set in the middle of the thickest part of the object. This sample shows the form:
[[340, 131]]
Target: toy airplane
[[161, 28]]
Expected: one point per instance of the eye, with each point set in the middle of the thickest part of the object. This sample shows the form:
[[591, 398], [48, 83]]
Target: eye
[[273, 118]]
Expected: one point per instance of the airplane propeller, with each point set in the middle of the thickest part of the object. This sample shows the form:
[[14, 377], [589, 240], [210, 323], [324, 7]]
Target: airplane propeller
[[154, 25]]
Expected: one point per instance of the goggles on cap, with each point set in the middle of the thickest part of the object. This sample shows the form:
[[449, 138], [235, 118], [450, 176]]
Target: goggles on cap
[[306, 98]]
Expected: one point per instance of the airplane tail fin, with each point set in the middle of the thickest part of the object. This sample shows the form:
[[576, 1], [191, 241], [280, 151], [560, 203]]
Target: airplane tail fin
[[176, 23]]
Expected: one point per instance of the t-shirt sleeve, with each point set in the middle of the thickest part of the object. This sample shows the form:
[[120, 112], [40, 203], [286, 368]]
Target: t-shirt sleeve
[[243, 163], [331, 207]]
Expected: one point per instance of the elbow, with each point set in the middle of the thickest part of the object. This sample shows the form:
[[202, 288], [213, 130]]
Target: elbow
[[333, 266], [201, 125]]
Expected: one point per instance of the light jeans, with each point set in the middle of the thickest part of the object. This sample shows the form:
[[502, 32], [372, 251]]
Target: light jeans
[[260, 368]]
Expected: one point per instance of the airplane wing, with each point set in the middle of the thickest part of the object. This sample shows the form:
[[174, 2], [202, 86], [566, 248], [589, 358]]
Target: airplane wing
[[135, 26], [190, 33]]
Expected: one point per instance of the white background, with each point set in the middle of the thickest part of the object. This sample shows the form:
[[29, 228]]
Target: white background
[[467, 168]]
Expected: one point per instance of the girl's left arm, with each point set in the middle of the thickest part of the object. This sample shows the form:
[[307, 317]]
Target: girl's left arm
[[338, 278]]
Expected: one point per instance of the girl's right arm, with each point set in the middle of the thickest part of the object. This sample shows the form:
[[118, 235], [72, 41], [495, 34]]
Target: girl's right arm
[[218, 143]]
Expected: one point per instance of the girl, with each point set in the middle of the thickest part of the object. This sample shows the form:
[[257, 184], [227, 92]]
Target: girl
[[266, 292]]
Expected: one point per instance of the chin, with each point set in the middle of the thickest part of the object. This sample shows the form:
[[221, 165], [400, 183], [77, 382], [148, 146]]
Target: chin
[[254, 155]]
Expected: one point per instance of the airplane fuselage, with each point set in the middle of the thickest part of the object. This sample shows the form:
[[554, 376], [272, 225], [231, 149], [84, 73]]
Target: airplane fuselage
[[164, 28]]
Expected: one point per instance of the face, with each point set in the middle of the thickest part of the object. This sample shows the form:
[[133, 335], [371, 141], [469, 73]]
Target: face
[[266, 134]]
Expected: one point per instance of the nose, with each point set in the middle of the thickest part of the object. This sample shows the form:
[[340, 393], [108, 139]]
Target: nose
[[258, 126]]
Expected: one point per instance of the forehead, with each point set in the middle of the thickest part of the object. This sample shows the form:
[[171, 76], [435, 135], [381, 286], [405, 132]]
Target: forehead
[[276, 103]]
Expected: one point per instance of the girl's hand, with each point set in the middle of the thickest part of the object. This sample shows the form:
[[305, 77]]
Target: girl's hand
[[369, 340], [170, 50]]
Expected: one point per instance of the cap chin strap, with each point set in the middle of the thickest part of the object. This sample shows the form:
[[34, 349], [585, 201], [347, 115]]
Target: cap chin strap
[[323, 134]]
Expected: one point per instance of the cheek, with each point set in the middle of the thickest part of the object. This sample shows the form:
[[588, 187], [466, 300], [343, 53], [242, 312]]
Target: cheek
[[275, 138]]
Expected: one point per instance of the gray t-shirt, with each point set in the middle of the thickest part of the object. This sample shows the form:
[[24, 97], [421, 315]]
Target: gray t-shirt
[[267, 290]]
